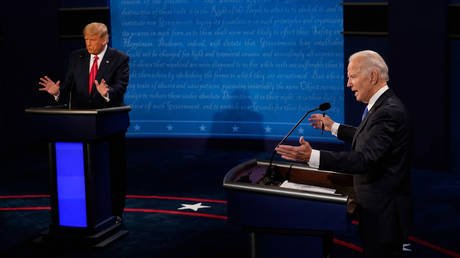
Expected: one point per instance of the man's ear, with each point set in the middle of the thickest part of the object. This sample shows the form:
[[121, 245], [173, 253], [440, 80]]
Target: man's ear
[[374, 77]]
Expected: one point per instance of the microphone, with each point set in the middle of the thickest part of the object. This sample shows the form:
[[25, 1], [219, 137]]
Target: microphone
[[70, 96], [324, 106], [272, 175]]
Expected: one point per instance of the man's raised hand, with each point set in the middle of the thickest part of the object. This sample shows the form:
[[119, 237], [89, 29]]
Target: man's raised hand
[[102, 87], [300, 153], [49, 86], [317, 120]]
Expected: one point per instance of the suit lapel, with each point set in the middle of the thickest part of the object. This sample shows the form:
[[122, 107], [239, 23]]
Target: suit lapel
[[85, 67], [376, 106], [105, 64]]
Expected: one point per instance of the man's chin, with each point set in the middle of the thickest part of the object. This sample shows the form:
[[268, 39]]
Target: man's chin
[[356, 97]]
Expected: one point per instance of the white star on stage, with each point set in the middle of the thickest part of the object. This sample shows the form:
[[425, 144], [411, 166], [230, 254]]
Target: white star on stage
[[268, 129], [137, 127], [202, 128], [193, 207], [170, 127], [406, 248], [235, 128]]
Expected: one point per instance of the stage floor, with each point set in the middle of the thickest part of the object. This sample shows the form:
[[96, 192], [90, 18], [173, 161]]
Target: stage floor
[[176, 207]]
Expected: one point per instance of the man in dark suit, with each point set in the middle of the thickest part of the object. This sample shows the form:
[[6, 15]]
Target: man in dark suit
[[97, 77], [379, 158], [111, 78]]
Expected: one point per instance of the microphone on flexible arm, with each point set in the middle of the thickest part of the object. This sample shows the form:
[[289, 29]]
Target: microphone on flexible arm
[[70, 96], [82, 55], [272, 174]]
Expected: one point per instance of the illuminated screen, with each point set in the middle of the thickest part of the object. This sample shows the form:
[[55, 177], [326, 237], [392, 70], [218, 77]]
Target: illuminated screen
[[70, 176], [229, 68]]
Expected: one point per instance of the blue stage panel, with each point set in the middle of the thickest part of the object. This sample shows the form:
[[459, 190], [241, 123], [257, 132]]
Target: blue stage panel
[[71, 184]]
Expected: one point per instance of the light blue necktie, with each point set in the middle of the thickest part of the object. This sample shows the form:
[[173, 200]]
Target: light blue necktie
[[364, 114]]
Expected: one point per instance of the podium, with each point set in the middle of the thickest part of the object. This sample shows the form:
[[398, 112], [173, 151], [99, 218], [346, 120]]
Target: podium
[[79, 162], [288, 222]]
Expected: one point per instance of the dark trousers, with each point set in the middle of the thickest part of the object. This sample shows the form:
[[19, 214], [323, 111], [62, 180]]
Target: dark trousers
[[370, 235], [117, 150], [373, 246], [374, 249]]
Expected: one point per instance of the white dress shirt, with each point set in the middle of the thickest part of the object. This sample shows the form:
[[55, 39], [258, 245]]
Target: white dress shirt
[[100, 56], [315, 154]]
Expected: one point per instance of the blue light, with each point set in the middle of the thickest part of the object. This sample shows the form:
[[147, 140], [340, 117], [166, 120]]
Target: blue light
[[70, 172]]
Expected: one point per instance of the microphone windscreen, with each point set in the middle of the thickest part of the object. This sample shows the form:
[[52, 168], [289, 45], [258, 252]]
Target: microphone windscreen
[[324, 106]]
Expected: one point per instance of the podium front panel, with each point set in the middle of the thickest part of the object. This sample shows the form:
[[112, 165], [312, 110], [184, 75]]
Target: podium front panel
[[278, 217], [261, 210], [70, 180], [255, 204], [80, 166]]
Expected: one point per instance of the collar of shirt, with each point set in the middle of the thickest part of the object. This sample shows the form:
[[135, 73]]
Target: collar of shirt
[[99, 60], [376, 96]]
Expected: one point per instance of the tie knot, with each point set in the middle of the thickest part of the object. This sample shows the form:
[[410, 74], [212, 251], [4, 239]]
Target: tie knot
[[96, 58]]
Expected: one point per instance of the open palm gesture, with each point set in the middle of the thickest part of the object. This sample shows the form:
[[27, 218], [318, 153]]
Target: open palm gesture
[[49, 86]]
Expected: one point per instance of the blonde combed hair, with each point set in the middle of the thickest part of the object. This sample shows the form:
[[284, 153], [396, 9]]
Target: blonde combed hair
[[96, 28]]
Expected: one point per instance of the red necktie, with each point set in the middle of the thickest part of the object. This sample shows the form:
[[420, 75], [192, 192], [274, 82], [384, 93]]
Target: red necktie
[[92, 74]]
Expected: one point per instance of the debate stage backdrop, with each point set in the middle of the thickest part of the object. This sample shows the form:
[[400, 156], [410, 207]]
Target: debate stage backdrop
[[232, 69]]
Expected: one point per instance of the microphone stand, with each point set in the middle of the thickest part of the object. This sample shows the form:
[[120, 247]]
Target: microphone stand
[[71, 89], [272, 174], [70, 98]]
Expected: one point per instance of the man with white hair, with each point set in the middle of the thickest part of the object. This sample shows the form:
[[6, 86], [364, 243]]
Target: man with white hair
[[379, 158]]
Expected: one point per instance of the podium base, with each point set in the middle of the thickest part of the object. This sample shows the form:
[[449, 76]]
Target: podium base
[[98, 240]]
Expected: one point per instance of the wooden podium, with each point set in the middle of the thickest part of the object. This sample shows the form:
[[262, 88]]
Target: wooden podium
[[81, 212], [288, 222]]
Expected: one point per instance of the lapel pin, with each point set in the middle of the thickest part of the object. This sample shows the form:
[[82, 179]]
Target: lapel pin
[[107, 61]]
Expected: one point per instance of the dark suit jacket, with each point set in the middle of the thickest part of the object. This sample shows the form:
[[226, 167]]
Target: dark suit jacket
[[380, 162], [114, 69]]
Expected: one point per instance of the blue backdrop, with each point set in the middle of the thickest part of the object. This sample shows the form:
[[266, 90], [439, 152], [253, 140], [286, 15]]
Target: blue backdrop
[[230, 68]]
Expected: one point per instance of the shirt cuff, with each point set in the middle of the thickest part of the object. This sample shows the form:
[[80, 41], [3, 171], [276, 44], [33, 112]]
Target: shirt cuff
[[335, 128], [314, 159], [56, 97], [107, 99]]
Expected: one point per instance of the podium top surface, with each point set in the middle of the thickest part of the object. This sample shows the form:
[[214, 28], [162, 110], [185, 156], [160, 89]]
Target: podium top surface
[[59, 124], [51, 110], [343, 183]]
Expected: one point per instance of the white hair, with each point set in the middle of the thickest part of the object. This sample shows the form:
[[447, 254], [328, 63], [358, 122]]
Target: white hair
[[372, 60]]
